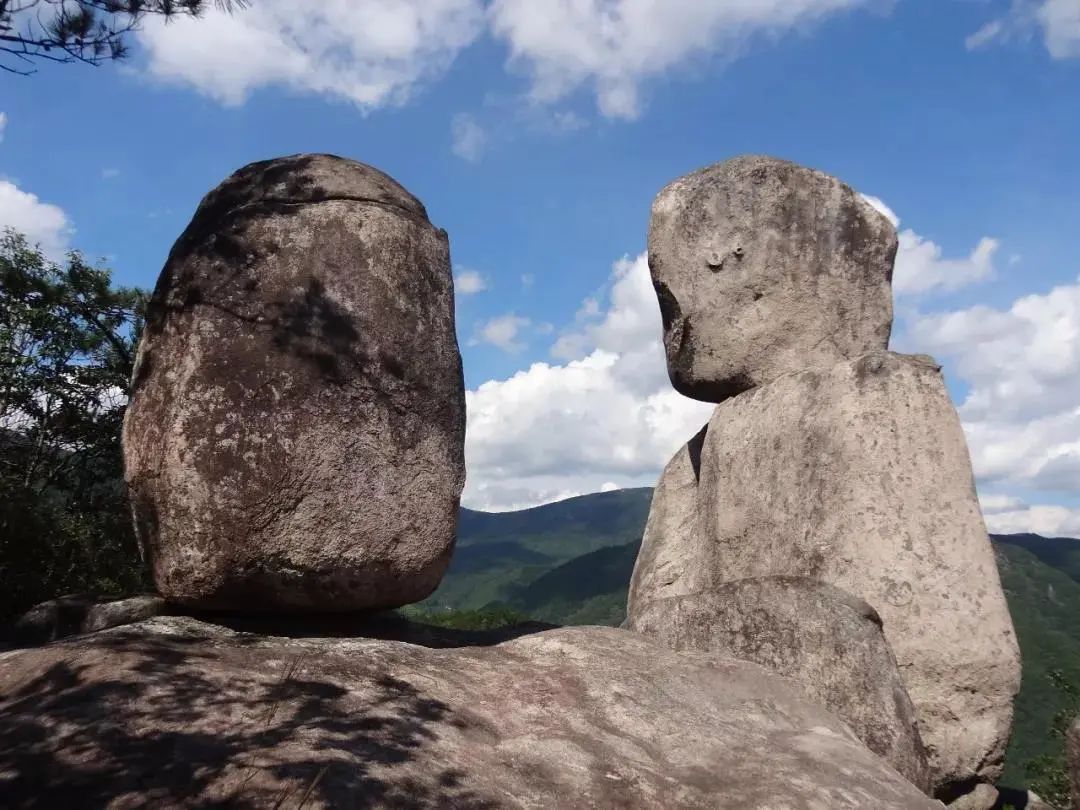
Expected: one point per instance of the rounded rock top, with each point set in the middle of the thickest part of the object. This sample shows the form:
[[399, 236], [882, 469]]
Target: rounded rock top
[[307, 178], [764, 267]]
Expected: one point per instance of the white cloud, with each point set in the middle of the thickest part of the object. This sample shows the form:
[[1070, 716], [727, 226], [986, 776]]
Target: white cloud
[[41, 222], [503, 332], [613, 46], [369, 52], [1058, 21], [469, 138], [3, 125], [1049, 521], [469, 282], [920, 267], [607, 416], [1021, 412]]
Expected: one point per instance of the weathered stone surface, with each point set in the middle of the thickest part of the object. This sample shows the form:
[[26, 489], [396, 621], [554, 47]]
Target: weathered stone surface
[[763, 267], [859, 476], [172, 712], [672, 542], [826, 640], [81, 613], [1072, 744], [295, 434], [983, 797]]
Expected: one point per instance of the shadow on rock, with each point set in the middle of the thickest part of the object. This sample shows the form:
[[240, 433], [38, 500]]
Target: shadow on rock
[[166, 721]]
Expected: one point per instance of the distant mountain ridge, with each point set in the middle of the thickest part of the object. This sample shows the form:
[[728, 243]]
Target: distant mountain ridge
[[570, 562]]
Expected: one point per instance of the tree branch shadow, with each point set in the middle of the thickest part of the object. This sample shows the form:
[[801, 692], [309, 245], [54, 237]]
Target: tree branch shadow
[[165, 721]]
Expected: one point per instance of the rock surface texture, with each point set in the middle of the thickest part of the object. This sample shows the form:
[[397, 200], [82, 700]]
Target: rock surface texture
[[82, 613], [859, 476], [296, 428], [1072, 745], [176, 713], [762, 268], [827, 641]]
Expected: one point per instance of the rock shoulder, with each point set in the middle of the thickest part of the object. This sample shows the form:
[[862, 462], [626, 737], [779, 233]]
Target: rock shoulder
[[173, 712], [858, 475]]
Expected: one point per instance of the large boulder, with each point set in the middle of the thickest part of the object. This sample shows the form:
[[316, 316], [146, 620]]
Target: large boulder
[[763, 267], [859, 476], [824, 639], [295, 434], [1072, 745], [176, 713]]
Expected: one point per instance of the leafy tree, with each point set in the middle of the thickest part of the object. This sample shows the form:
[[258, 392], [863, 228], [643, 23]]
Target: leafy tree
[[67, 340], [91, 31], [1048, 774]]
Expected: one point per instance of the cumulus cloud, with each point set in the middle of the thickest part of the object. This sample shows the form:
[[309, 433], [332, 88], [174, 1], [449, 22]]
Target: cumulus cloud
[[40, 222], [1058, 22], [369, 52], [607, 416], [613, 46], [469, 282], [469, 138], [921, 266], [1021, 415], [1013, 516], [503, 332], [375, 52]]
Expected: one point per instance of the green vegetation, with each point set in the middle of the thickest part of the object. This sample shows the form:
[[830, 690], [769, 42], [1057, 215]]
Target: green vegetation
[[90, 31], [1045, 604], [67, 339], [500, 555], [488, 619]]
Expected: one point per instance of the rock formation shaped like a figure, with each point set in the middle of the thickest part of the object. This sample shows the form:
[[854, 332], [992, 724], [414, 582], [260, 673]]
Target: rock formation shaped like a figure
[[824, 639], [844, 463], [578, 717], [762, 268], [296, 428]]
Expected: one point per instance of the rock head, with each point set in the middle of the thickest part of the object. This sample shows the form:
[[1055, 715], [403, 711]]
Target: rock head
[[763, 267], [295, 434]]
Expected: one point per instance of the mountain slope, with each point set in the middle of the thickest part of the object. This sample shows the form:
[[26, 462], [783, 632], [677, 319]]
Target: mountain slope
[[499, 554], [571, 562]]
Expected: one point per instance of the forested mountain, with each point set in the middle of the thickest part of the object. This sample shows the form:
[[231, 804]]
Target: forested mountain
[[570, 563]]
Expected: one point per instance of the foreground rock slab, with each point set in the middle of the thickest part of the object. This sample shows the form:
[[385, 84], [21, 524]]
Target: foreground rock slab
[[172, 712], [827, 641], [295, 438], [859, 476], [763, 267]]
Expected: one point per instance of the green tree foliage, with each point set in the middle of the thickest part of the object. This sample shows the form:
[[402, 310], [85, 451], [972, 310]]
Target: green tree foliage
[[91, 31], [1048, 774], [67, 340]]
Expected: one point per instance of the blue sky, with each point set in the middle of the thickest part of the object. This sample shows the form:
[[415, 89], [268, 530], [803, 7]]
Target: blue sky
[[537, 134]]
